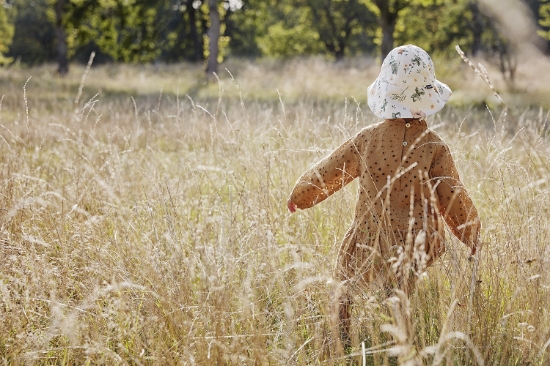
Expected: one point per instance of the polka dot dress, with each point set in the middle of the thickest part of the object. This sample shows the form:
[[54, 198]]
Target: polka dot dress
[[409, 185]]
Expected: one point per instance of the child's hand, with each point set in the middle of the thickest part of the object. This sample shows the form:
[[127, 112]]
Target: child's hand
[[291, 206]]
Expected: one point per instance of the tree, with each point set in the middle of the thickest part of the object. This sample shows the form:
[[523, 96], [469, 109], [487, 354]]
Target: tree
[[244, 26], [196, 40], [62, 49], [213, 38], [476, 26], [437, 26], [127, 30], [544, 19], [388, 14], [332, 27], [199, 30], [34, 36], [183, 24], [6, 34], [288, 31], [336, 20]]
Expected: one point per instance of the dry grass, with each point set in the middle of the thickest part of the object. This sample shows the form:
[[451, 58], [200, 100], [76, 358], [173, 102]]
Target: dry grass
[[144, 226]]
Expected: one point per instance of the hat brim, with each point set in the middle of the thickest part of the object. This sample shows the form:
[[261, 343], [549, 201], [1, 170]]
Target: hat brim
[[390, 101]]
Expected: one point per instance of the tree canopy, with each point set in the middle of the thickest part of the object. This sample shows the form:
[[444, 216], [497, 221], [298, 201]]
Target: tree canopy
[[544, 19], [38, 31], [6, 33]]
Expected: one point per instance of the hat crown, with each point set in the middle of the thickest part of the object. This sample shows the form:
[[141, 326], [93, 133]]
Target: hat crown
[[408, 66], [406, 86]]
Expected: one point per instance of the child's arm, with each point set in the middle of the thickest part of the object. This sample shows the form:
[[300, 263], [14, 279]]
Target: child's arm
[[326, 177], [454, 202]]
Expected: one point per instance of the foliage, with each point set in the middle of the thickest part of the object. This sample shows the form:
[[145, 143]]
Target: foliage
[[126, 30], [174, 30], [343, 26], [287, 30], [389, 12], [243, 30], [331, 27], [140, 30], [437, 26], [544, 19], [6, 33], [34, 37], [185, 24]]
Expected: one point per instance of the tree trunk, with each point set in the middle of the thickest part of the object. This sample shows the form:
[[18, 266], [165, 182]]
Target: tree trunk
[[339, 54], [197, 44], [388, 27], [62, 61], [214, 36], [476, 27], [388, 19]]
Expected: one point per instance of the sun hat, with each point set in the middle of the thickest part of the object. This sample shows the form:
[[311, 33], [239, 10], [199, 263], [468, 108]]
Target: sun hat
[[406, 86]]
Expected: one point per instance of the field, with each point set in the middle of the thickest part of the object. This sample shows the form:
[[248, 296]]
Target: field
[[143, 220]]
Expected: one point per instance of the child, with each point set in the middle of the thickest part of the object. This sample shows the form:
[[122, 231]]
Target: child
[[408, 184]]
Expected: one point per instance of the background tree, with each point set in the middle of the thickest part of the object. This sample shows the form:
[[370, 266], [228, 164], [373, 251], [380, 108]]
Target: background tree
[[34, 38], [184, 25], [213, 38], [437, 26], [544, 19], [476, 25], [330, 27], [126, 30], [388, 14], [335, 21], [287, 30], [181, 30], [6, 32], [61, 36], [244, 27]]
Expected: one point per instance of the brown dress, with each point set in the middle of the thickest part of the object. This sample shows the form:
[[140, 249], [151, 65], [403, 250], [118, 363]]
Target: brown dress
[[408, 184]]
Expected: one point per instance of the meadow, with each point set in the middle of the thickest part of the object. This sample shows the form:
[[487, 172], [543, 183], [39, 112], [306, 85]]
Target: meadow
[[143, 220]]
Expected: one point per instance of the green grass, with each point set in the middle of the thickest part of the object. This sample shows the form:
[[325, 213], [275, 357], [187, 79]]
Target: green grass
[[148, 224]]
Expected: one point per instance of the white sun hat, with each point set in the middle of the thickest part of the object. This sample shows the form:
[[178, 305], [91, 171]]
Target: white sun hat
[[406, 86]]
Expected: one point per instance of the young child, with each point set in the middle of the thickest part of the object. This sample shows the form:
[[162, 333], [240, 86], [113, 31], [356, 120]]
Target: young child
[[408, 184]]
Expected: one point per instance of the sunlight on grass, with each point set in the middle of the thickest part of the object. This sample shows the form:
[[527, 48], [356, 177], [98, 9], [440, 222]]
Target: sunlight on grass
[[148, 225]]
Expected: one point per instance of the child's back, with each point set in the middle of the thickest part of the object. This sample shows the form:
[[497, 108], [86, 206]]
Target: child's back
[[408, 181]]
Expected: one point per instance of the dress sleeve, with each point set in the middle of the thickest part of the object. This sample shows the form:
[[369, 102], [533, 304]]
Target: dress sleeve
[[455, 204], [328, 176]]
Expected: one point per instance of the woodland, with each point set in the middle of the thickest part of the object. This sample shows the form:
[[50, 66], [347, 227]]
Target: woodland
[[34, 32]]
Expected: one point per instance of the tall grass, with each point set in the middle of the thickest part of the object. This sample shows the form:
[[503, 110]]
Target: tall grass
[[151, 228]]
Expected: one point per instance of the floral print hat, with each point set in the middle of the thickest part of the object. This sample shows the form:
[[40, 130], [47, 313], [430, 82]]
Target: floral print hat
[[406, 86]]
